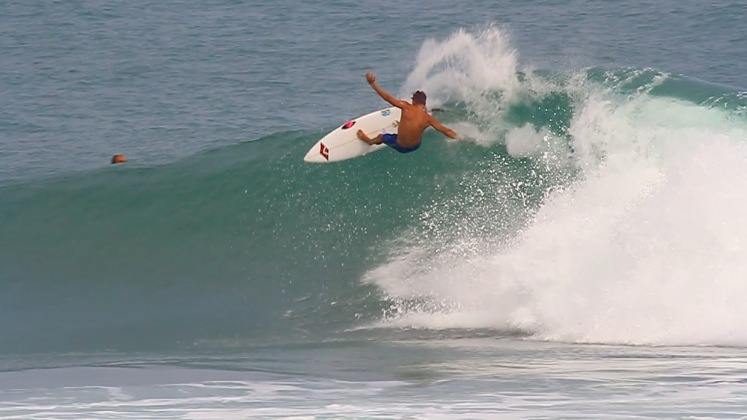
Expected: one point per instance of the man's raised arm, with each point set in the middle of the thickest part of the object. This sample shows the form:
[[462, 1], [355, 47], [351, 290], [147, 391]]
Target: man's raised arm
[[371, 78]]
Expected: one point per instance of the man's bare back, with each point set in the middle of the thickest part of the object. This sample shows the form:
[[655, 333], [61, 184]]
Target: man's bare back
[[413, 123]]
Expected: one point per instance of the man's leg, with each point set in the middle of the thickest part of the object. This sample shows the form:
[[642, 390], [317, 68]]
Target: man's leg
[[364, 137]]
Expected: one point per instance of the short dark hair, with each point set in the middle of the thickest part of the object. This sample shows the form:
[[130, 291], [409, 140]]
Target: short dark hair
[[419, 97]]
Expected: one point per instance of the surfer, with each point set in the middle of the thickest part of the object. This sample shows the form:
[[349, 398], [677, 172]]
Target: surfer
[[118, 159], [412, 124]]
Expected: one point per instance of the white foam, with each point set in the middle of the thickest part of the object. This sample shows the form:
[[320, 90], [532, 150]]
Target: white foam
[[464, 66], [526, 141], [647, 246], [477, 69]]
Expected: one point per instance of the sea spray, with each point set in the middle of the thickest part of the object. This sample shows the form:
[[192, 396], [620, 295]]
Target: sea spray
[[637, 237]]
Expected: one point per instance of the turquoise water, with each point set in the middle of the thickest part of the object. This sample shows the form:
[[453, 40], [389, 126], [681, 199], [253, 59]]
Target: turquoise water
[[580, 255]]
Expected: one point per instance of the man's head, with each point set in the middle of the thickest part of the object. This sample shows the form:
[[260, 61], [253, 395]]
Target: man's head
[[118, 159], [418, 98]]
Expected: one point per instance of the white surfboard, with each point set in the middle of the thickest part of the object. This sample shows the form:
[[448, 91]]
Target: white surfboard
[[343, 143]]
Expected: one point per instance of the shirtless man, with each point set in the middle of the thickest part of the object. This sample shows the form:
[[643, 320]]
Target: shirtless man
[[413, 122]]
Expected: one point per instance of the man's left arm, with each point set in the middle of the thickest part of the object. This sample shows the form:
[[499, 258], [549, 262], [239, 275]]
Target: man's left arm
[[446, 130]]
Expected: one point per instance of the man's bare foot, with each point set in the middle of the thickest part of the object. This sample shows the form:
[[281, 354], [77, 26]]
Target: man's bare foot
[[363, 136]]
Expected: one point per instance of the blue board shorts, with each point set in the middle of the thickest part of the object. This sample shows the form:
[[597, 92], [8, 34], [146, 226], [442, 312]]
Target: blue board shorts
[[391, 141]]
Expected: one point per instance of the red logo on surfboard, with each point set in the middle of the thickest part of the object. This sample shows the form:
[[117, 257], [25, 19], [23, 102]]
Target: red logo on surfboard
[[324, 151]]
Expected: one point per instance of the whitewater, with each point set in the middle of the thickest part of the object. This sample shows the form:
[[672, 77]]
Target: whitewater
[[641, 244]]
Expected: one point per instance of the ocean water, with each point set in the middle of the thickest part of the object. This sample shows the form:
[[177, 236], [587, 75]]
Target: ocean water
[[583, 254]]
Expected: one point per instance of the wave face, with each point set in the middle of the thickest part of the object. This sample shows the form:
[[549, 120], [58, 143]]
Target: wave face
[[602, 205]]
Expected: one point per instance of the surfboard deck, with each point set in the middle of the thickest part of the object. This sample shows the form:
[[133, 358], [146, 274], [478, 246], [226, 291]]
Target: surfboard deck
[[343, 142]]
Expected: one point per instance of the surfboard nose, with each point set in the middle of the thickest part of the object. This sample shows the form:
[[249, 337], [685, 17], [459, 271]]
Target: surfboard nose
[[314, 157]]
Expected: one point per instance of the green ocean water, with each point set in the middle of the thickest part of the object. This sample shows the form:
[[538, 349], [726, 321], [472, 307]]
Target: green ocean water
[[244, 241]]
